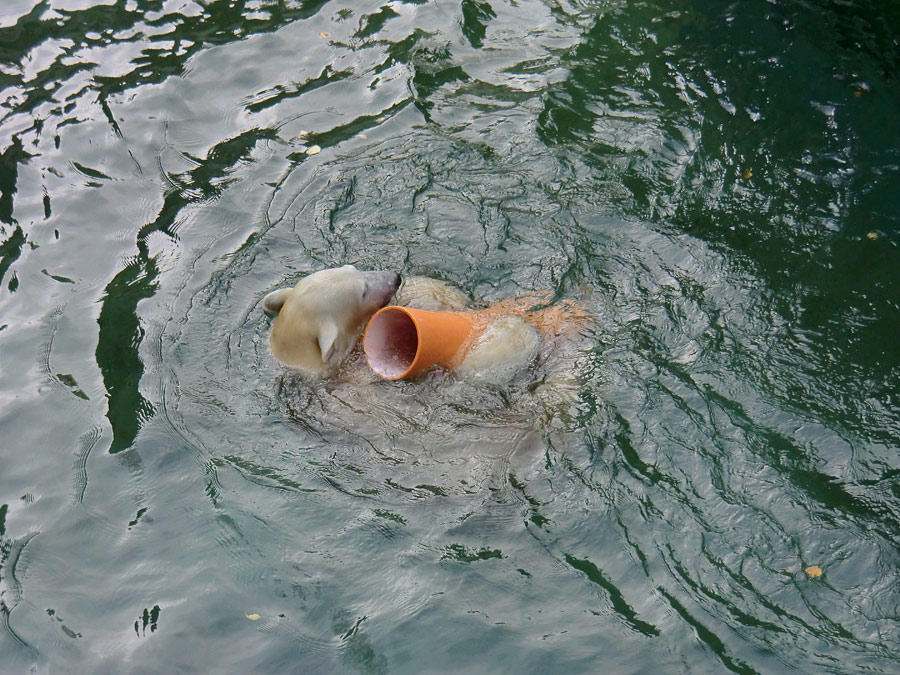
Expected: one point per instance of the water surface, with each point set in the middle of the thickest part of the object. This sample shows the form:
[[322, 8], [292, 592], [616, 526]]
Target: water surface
[[717, 182]]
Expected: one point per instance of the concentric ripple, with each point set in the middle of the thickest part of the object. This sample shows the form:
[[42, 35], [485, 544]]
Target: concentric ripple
[[706, 480]]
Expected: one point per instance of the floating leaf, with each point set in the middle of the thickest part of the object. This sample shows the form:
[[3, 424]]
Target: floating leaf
[[813, 571], [313, 150], [252, 617]]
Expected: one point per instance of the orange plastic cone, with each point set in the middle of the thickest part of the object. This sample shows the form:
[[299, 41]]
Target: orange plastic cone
[[402, 342]]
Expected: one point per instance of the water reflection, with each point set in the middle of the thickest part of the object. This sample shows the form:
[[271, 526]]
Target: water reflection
[[120, 335], [117, 350]]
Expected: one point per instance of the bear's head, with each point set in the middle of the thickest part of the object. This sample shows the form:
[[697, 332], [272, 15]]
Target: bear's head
[[318, 321]]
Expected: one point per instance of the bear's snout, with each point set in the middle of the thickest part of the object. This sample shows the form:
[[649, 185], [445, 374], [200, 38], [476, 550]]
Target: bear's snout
[[380, 287], [394, 280]]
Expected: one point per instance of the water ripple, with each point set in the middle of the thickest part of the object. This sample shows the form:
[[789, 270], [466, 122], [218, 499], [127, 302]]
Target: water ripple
[[714, 183]]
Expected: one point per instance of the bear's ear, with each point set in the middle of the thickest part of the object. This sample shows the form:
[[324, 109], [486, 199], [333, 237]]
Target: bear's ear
[[274, 301], [328, 335]]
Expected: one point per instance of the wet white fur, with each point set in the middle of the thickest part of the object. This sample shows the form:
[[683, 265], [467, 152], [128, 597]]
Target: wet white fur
[[318, 321], [506, 346]]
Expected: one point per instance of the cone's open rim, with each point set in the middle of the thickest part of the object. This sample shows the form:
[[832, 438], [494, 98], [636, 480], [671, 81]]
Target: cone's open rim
[[391, 342]]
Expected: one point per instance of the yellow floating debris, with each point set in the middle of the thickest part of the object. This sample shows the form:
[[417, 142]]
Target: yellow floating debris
[[324, 35], [872, 235], [813, 571], [252, 617], [313, 150], [748, 174]]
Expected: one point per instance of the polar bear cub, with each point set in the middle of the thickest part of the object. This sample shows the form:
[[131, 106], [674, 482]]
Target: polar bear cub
[[318, 321]]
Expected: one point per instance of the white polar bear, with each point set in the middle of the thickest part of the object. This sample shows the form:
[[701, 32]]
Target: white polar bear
[[318, 321]]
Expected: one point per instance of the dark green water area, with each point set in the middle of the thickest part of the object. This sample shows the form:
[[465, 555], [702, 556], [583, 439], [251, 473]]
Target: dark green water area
[[718, 183]]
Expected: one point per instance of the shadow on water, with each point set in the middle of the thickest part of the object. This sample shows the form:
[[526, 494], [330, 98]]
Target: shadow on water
[[219, 22], [475, 18], [117, 349], [9, 161], [120, 333], [11, 248], [758, 127]]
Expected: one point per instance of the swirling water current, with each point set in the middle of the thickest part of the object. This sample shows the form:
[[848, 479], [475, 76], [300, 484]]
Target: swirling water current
[[716, 181]]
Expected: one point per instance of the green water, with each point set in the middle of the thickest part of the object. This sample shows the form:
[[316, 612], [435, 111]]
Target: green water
[[717, 182]]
